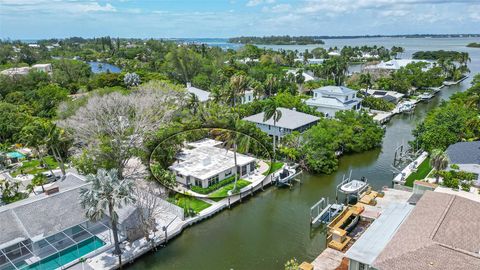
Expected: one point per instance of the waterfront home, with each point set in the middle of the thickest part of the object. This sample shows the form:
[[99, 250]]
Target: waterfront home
[[466, 155], [206, 162], [396, 64], [331, 99], [307, 76], [390, 96], [202, 95], [49, 231], [310, 61], [47, 68], [437, 234], [290, 121]]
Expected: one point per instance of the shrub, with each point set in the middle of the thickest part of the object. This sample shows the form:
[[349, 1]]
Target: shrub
[[214, 187], [454, 166]]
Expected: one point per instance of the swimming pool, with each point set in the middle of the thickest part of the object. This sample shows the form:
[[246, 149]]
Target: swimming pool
[[15, 154], [65, 256]]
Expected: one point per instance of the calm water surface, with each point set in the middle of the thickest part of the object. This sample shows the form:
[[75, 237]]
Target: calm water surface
[[273, 226]]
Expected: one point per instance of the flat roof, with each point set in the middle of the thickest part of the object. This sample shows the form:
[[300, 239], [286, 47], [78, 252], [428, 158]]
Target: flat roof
[[204, 162], [376, 237], [290, 119]]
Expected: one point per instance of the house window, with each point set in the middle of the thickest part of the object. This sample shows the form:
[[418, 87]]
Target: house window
[[228, 173], [198, 182], [362, 266], [213, 180], [244, 170]]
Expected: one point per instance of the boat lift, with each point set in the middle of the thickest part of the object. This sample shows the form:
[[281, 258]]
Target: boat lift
[[351, 187], [286, 180], [324, 212]]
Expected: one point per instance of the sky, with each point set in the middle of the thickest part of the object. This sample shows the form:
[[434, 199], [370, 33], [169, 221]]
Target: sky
[[36, 19]]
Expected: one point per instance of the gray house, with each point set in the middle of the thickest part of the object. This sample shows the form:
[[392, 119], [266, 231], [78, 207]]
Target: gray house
[[290, 121], [467, 156], [331, 99]]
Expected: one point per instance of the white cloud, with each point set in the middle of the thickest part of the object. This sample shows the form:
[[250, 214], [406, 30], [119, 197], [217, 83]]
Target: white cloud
[[475, 13], [54, 6], [253, 3]]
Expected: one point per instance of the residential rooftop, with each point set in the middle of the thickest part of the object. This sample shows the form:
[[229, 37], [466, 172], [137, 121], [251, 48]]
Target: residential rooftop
[[464, 153], [205, 161], [373, 241], [43, 215], [290, 119], [441, 232], [334, 90], [201, 94]]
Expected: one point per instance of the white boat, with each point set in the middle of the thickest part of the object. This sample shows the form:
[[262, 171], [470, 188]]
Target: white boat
[[353, 186], [284, 176], [406, 107], [425, 96]]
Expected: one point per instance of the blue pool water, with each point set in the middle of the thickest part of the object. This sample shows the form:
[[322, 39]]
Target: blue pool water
[[65, 256], [15, 154]]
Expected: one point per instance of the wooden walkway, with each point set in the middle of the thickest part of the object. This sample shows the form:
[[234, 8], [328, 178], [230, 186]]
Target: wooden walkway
[[329, 259]]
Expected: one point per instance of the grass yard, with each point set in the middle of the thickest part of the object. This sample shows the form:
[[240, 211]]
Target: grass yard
[[422, 171], [223, 192], [189, 202], [32, 166], [273, 168]]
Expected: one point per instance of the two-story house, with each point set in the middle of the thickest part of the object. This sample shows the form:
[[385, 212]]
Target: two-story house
[[331, 99]]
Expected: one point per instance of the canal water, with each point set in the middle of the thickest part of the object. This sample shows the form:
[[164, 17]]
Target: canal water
[[273, 226]]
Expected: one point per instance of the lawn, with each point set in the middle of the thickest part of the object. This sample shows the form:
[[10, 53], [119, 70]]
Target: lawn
[[422, 171], [273, 168], [223, 192], [32, 166], [189, 202]]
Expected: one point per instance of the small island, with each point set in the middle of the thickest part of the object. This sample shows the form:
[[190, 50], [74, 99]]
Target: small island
[[474, 45], [276, 40]]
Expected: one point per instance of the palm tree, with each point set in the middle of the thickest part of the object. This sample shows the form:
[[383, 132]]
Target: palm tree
[[271, 110], [238, 84], [39, 179], [235, 141], [106, 194], [366, 79], [438, 161], [193, 103], [270, 84]]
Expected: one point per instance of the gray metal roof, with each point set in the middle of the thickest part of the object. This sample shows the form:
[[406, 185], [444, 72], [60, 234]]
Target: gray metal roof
[[290, 119], [201, 94], [464, 153], [377, 236], [336, 90]]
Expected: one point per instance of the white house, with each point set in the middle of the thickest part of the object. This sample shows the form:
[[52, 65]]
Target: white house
[[390, 96], [331, 99], [47, 68], [396, 64], [290, 121], [202, 95], [310, 61], [247, 97], [205, 162], [306, 75]]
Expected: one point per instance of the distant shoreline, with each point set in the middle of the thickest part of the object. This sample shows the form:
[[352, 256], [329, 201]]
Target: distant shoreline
[[316, 37]]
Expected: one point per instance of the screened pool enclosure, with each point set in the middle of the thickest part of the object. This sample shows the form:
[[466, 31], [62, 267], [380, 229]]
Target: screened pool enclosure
[[56, 250]]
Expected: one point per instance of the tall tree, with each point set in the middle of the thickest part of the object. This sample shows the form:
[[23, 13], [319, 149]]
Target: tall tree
[[113, 126], [438, 161], [271, 111], [106, 194]]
